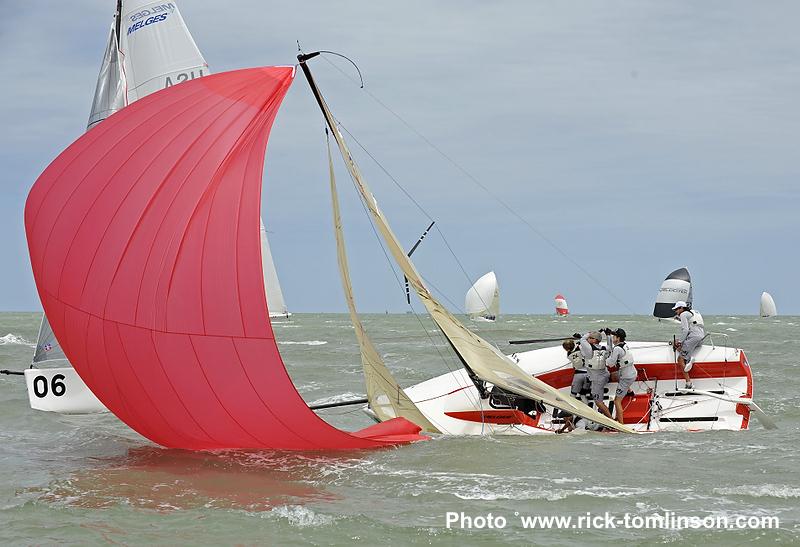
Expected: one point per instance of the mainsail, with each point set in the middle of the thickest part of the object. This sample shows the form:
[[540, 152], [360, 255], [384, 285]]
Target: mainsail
[[386, 398], [483, 298], [476, 354], [677, 286], [157, 48], [767, 307], [561, 305], [109, 93], [143, 238], [275, 301]]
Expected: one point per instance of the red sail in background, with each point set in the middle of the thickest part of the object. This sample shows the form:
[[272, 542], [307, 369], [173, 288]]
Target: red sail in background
[[561, 305], [144, 243]]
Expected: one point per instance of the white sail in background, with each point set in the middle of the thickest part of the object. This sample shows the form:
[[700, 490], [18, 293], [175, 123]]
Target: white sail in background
[[386, 398], [483, 298], [677, 286], [109, 94], [478, 356], [768, 308], [275, 303], [156, 47]]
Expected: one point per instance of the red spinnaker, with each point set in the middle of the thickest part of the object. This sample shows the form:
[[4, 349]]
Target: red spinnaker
[[144, 243]]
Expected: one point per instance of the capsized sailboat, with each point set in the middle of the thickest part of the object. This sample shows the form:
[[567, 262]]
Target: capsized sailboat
[[722, 398], [482, 301], [149, 48], [767, 307], [561, 305], [484, 364]]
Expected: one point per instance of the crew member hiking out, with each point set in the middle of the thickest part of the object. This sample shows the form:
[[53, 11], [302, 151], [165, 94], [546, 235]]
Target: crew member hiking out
[[692, 334]]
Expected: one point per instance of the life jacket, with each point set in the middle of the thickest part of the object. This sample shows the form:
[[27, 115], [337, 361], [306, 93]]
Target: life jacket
[[576, 358], [696, 319], [627, 358], [598, 360]]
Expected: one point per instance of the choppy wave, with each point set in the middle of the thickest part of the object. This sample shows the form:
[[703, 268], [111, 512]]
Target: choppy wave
[[349, 396], [297, 515], [12, 339], [304, 343], [761, 491]]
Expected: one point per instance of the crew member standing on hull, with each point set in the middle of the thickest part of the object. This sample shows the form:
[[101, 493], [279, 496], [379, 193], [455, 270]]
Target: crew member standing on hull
[[693, 332], [621, 357], [595, 357], [580, 382]]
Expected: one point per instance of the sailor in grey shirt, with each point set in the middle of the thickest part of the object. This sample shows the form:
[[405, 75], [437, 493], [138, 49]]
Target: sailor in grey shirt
[[594, 356], [692, 334]]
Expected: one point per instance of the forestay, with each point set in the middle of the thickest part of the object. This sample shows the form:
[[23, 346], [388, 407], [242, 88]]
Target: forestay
[[477, 355]]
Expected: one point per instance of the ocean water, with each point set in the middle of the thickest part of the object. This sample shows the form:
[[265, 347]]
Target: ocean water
[[90, 479]]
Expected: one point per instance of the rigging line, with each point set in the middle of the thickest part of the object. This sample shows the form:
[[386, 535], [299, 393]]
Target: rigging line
[[424, 212], [475, 180], [397, 278]]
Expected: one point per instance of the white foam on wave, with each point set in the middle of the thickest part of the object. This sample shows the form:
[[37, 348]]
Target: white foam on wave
[[12, 339], [731, 329], [297, 515], [303, 343], [761, 491]]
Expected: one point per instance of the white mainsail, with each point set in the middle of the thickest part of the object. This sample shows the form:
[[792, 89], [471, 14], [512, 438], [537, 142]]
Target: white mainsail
[[157, 48], [483, 298], [275, 302], [476, 354], [109, 94], [768, 308], [386, 398]]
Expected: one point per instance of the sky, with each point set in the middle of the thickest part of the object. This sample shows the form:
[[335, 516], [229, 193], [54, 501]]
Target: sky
[[633, 138]]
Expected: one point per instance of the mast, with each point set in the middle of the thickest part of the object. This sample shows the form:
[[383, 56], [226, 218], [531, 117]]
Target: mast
[[485, 360], [118, 21]]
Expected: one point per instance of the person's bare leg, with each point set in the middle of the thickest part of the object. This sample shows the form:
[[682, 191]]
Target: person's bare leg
[[601, 406], [681, 366], [618, 407]]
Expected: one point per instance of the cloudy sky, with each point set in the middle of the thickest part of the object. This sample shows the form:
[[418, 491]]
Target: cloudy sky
[[632, 137]]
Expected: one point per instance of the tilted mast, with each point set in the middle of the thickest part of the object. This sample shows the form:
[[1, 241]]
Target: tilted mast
[[478, 356]]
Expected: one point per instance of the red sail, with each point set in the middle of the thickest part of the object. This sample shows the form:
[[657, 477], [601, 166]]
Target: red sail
[[144, 243]]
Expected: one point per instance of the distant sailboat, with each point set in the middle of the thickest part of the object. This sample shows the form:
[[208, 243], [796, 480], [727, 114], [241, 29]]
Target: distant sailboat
[[677, 286], [482, 301], [561, 305], [768, 308]]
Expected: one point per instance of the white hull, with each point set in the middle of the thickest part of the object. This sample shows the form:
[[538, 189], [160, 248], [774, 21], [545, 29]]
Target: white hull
[[451, 401]]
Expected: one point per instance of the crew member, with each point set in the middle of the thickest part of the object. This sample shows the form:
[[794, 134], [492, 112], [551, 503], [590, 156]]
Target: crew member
[[622, 358], [594, 356], [692, 334], [580, 382]]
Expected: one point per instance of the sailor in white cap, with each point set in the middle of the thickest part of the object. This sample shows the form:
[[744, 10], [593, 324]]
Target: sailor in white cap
[[692, 334]]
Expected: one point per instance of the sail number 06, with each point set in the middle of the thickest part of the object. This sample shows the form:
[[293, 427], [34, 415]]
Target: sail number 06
[[57, 386]]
